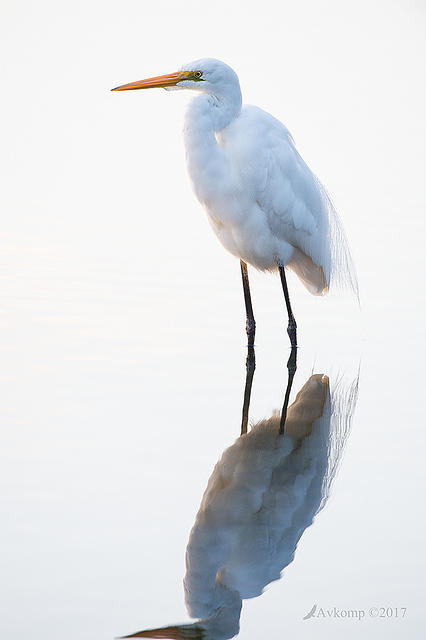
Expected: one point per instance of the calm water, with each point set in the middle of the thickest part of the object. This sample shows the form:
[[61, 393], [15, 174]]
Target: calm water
[[122, 389]]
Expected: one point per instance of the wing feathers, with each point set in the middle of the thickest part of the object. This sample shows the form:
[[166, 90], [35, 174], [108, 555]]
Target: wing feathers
[[297, 207]]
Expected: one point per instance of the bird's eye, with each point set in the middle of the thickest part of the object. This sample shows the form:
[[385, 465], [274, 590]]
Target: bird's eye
[[198, 74]]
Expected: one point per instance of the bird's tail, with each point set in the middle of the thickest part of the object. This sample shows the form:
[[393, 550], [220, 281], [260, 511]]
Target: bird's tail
[[342, 272], [344, 397], [332, 266], [309, 273]]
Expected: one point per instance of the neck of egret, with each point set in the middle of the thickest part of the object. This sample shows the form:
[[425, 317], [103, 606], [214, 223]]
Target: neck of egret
[[262, 200]]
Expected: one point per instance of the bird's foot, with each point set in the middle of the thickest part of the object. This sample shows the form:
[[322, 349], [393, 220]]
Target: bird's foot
[[292, 331], [250, 330]]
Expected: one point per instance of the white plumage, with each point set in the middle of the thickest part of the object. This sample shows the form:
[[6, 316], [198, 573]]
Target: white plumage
[[264, 203], [263, 493]]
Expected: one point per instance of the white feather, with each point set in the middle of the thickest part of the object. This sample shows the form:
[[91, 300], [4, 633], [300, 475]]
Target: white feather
[[264, 203], [263, 493]]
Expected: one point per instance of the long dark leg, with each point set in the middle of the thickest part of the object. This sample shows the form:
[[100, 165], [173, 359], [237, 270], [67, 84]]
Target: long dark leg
[[292, 326], [291, 366], [251, 324], [250, 367]]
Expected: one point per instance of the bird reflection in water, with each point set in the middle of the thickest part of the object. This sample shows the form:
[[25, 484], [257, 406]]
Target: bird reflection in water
[[263, 493]]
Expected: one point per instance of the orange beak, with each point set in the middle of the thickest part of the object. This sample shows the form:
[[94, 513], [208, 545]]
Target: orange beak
[[169, 80], [177, 632]]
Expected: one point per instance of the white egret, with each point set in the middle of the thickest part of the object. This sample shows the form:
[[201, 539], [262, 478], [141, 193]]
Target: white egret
[[264, 203], [261, 496]]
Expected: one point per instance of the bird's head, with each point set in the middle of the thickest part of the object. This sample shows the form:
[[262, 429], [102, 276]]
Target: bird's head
[[206, 76]]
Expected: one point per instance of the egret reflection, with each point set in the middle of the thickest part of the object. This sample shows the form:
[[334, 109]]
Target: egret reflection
[[263, 493]]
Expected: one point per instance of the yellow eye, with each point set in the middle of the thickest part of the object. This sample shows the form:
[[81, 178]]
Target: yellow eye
[[198, 74]]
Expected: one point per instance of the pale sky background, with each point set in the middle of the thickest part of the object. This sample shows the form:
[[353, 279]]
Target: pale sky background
[[122, 322]]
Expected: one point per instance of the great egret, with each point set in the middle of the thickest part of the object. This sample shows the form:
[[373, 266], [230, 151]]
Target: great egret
[[264, 203], [261, 496]]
